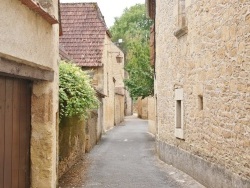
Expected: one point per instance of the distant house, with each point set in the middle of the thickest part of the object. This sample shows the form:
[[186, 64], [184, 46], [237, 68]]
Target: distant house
[[88, 41], [29, 37], [202, 88]]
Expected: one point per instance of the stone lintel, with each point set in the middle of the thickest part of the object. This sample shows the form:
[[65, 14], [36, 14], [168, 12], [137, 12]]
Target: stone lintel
[[12, 68]]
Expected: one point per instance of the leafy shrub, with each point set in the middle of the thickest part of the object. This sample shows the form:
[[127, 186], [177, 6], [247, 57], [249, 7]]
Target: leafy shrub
[[76, 95]]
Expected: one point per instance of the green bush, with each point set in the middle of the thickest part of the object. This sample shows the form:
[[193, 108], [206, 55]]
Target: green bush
[[76, 95]]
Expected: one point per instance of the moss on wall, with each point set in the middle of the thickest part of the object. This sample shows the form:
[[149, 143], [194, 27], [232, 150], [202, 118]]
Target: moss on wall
[[71, 142]]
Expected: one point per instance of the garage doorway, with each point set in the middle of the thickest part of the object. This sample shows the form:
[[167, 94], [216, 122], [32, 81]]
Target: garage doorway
[[15, 132]]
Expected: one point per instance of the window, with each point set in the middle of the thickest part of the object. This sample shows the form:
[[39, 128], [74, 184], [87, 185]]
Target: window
[[200, 102], [181, 19], [179, 114]]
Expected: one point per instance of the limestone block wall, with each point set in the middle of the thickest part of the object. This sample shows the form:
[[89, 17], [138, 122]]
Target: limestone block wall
[[98, 78], [211, 64], [108, 88], [151, 115], [98, 82], [142, 108], [113, 78], [128, 104], [119, 109], [91, 130], [128, 100], [100, 120], [71, 142], [118, 75], [34, 42]]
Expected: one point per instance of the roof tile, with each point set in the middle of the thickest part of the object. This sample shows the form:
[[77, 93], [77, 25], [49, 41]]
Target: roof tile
[[84, 31]]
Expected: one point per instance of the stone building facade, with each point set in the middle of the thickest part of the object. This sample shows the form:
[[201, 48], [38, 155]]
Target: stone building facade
[[117, 58], [202, 88], [152, 116], [113, 86], [29, 53], [142, 108], [128, 103]]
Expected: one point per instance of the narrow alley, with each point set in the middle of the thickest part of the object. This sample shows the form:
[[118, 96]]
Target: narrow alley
[[125, 158], [74, 72]]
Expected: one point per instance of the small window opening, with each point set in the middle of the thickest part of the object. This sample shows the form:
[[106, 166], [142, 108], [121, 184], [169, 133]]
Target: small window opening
[[200, 102], [178, 114]]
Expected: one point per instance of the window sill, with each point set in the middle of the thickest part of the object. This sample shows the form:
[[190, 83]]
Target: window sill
[[179, 133], [181, 32], [39, 10]]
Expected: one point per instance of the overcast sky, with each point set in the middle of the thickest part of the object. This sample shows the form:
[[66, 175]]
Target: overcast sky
[[110, 8]]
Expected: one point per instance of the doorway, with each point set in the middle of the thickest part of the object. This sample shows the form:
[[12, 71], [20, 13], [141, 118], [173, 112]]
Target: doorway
[[15, 132]]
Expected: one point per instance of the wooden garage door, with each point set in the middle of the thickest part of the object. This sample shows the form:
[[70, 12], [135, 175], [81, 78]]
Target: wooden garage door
[[15, 105]]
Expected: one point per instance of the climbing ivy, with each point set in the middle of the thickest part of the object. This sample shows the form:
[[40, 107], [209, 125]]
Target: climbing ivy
[[76, 95]]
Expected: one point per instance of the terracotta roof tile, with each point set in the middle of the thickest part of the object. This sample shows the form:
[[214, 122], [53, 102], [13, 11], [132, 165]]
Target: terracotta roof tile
[[84, 31]]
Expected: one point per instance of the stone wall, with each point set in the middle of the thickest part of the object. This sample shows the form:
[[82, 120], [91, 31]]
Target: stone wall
[[91, 130], [142, 108], [23, 42], [128, 104], [118, 75], [119, 109], [71, 142], [151, 116], [113, 78], [76, 136], [97, 76], [211, 64], [99, 129], [128, 100]]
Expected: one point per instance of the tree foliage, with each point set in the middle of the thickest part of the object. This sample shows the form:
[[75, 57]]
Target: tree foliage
[[141, 75], [134, 28], [76, 95]]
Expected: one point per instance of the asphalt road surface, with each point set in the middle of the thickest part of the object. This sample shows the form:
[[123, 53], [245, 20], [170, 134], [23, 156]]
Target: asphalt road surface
[[125, 158]]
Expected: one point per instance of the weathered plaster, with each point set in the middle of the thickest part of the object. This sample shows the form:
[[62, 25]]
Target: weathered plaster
[[25, 39]]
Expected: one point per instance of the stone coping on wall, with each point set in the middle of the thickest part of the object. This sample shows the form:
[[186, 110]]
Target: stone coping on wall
[[36, 7], [207, 173]]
